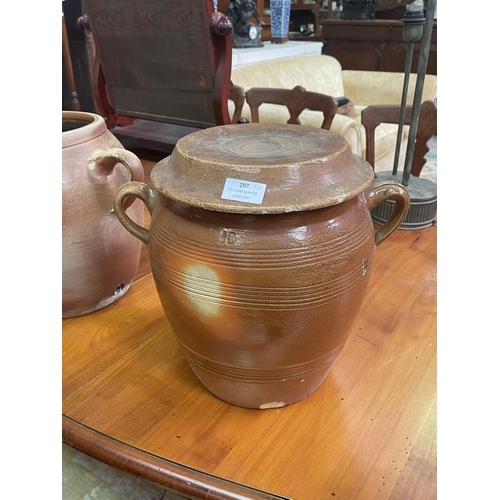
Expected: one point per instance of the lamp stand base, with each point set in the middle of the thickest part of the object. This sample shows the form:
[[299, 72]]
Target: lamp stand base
[[423, 202]]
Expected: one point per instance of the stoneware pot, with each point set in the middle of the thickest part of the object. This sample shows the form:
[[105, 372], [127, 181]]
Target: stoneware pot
[[99, 257], [261, 245]]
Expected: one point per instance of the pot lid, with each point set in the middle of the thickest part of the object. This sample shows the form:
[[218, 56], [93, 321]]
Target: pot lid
[[262, 168]]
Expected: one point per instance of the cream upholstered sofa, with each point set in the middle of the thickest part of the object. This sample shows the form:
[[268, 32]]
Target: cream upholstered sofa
[[324, 74]]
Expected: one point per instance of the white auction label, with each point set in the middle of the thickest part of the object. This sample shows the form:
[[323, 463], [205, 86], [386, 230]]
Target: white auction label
[[240, 190]]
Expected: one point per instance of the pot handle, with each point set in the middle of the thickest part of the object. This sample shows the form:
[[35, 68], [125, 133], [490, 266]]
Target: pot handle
[[102, 163], [381, 191], [147, 194]]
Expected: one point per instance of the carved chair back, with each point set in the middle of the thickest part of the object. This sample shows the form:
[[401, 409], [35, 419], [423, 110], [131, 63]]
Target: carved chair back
[[373, 116], [296, 100]]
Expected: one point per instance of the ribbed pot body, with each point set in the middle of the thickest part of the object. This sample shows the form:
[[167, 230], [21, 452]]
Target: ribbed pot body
[[99, 256], [261, 304]]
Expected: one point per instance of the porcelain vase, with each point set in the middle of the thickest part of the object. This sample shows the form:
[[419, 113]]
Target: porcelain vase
[[280, 20]]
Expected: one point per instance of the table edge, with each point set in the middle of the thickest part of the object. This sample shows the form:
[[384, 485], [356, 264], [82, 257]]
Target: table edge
[[192, 483]]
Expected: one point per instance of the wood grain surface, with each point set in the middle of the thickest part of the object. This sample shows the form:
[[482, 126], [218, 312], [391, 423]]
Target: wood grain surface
[[131, 400]]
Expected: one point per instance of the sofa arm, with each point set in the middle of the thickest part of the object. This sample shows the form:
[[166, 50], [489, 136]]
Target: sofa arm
[[342, 125], [350, 130]]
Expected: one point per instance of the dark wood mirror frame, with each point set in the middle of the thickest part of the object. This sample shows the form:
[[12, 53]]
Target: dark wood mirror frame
[[157, 79]]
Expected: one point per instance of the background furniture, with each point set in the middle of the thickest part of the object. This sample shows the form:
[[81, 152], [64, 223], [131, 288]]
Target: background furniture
[[391, 9], [162, 68], [324, 74], [373, 45], [74, 104], [296, 100], [78, 67], [131, 400], [373, 116], [304, 12], [384, 9]]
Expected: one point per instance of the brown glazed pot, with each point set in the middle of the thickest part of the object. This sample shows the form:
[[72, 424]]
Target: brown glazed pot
[[99, 257], [262, 294]]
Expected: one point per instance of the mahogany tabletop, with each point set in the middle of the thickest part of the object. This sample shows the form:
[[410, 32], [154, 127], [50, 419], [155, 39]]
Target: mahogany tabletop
[[131, 400]]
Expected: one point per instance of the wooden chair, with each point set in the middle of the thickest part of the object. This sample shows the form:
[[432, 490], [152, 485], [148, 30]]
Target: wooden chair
[[162, 68], [374, 115], [296, 100]]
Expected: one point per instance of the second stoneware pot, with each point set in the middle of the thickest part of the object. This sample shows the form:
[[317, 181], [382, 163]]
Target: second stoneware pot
[[99, 257], [261, 245]]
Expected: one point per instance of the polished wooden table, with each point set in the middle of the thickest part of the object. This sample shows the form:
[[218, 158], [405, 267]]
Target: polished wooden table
[[131, 400]]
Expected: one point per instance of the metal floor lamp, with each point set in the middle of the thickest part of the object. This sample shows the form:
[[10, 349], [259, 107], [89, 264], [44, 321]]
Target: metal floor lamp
[[423, 192]]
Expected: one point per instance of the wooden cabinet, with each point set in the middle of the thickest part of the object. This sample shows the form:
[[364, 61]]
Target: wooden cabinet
[[265, 11], [304, 12], [375, 45]]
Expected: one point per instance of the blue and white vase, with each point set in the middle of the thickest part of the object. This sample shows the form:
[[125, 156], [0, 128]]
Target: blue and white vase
[[215, 5], [280, 20]]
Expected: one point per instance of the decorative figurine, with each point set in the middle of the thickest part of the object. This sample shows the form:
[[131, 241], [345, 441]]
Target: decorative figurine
[[245, 33], [359, 9]]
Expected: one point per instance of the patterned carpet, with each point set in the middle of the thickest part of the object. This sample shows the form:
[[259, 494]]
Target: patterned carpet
[[84, 478]]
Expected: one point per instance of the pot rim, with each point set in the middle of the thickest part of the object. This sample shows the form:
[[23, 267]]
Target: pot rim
[[93, 127]]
